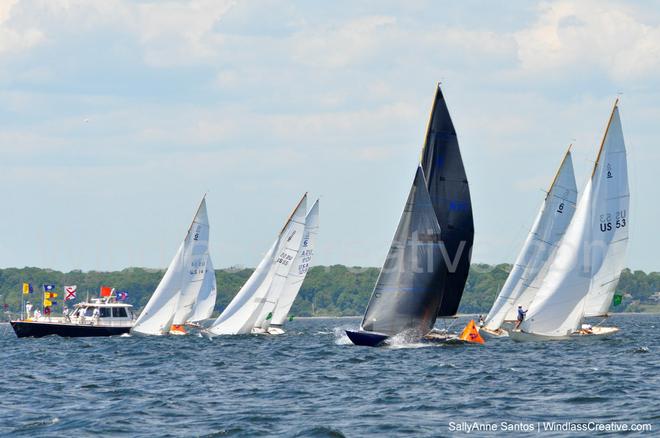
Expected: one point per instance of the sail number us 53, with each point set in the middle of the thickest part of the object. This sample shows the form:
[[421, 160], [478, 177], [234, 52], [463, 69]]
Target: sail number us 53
[[610, 221]]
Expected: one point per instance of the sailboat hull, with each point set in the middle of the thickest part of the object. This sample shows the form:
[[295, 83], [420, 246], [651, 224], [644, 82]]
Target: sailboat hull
[[366, 339], [490, 334], [594, 333]]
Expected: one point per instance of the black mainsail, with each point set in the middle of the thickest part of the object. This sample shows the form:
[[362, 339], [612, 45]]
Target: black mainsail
[[428, 262], [406, 293], [450, 195]]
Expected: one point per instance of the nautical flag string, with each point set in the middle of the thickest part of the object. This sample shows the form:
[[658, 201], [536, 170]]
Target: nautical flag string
[[49, 287]]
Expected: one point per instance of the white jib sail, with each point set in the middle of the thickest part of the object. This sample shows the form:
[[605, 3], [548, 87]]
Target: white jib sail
[[206, 299], [592, 246], [235, 319], [159, 313], [156, 318], [549, 227], [195, 255], [291, 238], [300, 267]]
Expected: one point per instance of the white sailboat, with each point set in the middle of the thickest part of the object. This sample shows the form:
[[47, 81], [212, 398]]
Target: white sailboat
[[297, 273], [256, 299], [173, 301], [528, 270], [585, 272]]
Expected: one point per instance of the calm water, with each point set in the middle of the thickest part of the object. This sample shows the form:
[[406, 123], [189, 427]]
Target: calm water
[[310, 382]]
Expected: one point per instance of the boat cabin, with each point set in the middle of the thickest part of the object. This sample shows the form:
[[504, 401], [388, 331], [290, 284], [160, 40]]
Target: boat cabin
[[100, 311]]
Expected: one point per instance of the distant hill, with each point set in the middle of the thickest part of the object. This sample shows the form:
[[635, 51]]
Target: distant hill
[[327, 291]]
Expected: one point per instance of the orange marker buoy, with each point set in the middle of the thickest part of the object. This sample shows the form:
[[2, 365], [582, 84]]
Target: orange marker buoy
[[471, 334]]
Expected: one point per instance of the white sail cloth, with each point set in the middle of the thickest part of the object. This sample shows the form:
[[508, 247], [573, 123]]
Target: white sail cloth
[[549, 227], [183, 277], [205, 303], [585, 271], [299, 269], [245, 310]]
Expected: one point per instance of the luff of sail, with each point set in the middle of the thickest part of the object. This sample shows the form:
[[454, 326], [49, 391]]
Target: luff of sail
[[300, 267], [593, 238], [450, 195], [194, 258], [406, 296], [292, 234], [159, 313], [549, 227]]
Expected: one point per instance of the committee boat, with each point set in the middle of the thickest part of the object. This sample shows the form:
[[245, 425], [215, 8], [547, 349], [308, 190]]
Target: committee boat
[[98, 317], [427, 265], [584, 274]]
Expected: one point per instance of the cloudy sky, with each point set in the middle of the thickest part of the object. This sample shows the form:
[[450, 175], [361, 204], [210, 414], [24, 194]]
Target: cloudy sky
[[116, 116]]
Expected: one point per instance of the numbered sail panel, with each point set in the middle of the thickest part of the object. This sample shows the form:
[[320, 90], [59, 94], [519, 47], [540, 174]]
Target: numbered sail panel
[[411, 282]]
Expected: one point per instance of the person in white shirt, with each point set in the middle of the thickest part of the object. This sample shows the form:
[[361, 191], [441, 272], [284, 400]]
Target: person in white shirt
[[28, 308]]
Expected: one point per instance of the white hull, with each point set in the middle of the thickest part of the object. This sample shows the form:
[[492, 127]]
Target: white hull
[[490, 334], [275, 331], [595, 333]]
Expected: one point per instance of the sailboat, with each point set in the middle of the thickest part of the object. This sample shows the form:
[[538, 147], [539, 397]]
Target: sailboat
[[426, 268], [252, 307], [536, 254], [188, 277], [585, 272], [297, 273]]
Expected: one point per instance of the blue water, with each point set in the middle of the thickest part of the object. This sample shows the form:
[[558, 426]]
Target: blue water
[[311, 382]]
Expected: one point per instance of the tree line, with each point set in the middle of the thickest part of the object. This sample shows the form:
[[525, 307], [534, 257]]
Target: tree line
[[327, 290]]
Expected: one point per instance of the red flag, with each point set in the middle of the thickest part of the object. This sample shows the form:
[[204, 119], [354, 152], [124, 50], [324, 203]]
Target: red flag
[[106, 291]]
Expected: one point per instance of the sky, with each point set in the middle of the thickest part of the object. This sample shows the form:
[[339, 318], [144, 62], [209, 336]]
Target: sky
[[116, 117]]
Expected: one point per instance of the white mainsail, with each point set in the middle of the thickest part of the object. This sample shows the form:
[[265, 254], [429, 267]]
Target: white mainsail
[[299, 269], [291, 237], [194, 259], [205, 303], [549, 227], [245, 311], [585, 271], [159, 313]]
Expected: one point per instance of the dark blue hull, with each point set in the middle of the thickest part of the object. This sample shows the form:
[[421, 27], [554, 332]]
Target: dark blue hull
[[366, 339], [29, 329]]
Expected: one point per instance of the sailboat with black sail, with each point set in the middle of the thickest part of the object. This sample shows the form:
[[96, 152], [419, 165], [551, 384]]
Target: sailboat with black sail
[[426, 269]]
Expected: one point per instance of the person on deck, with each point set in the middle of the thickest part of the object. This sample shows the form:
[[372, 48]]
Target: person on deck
[[521, 317], [96, 315], [37, 314], [28, 308], [65, 313]]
